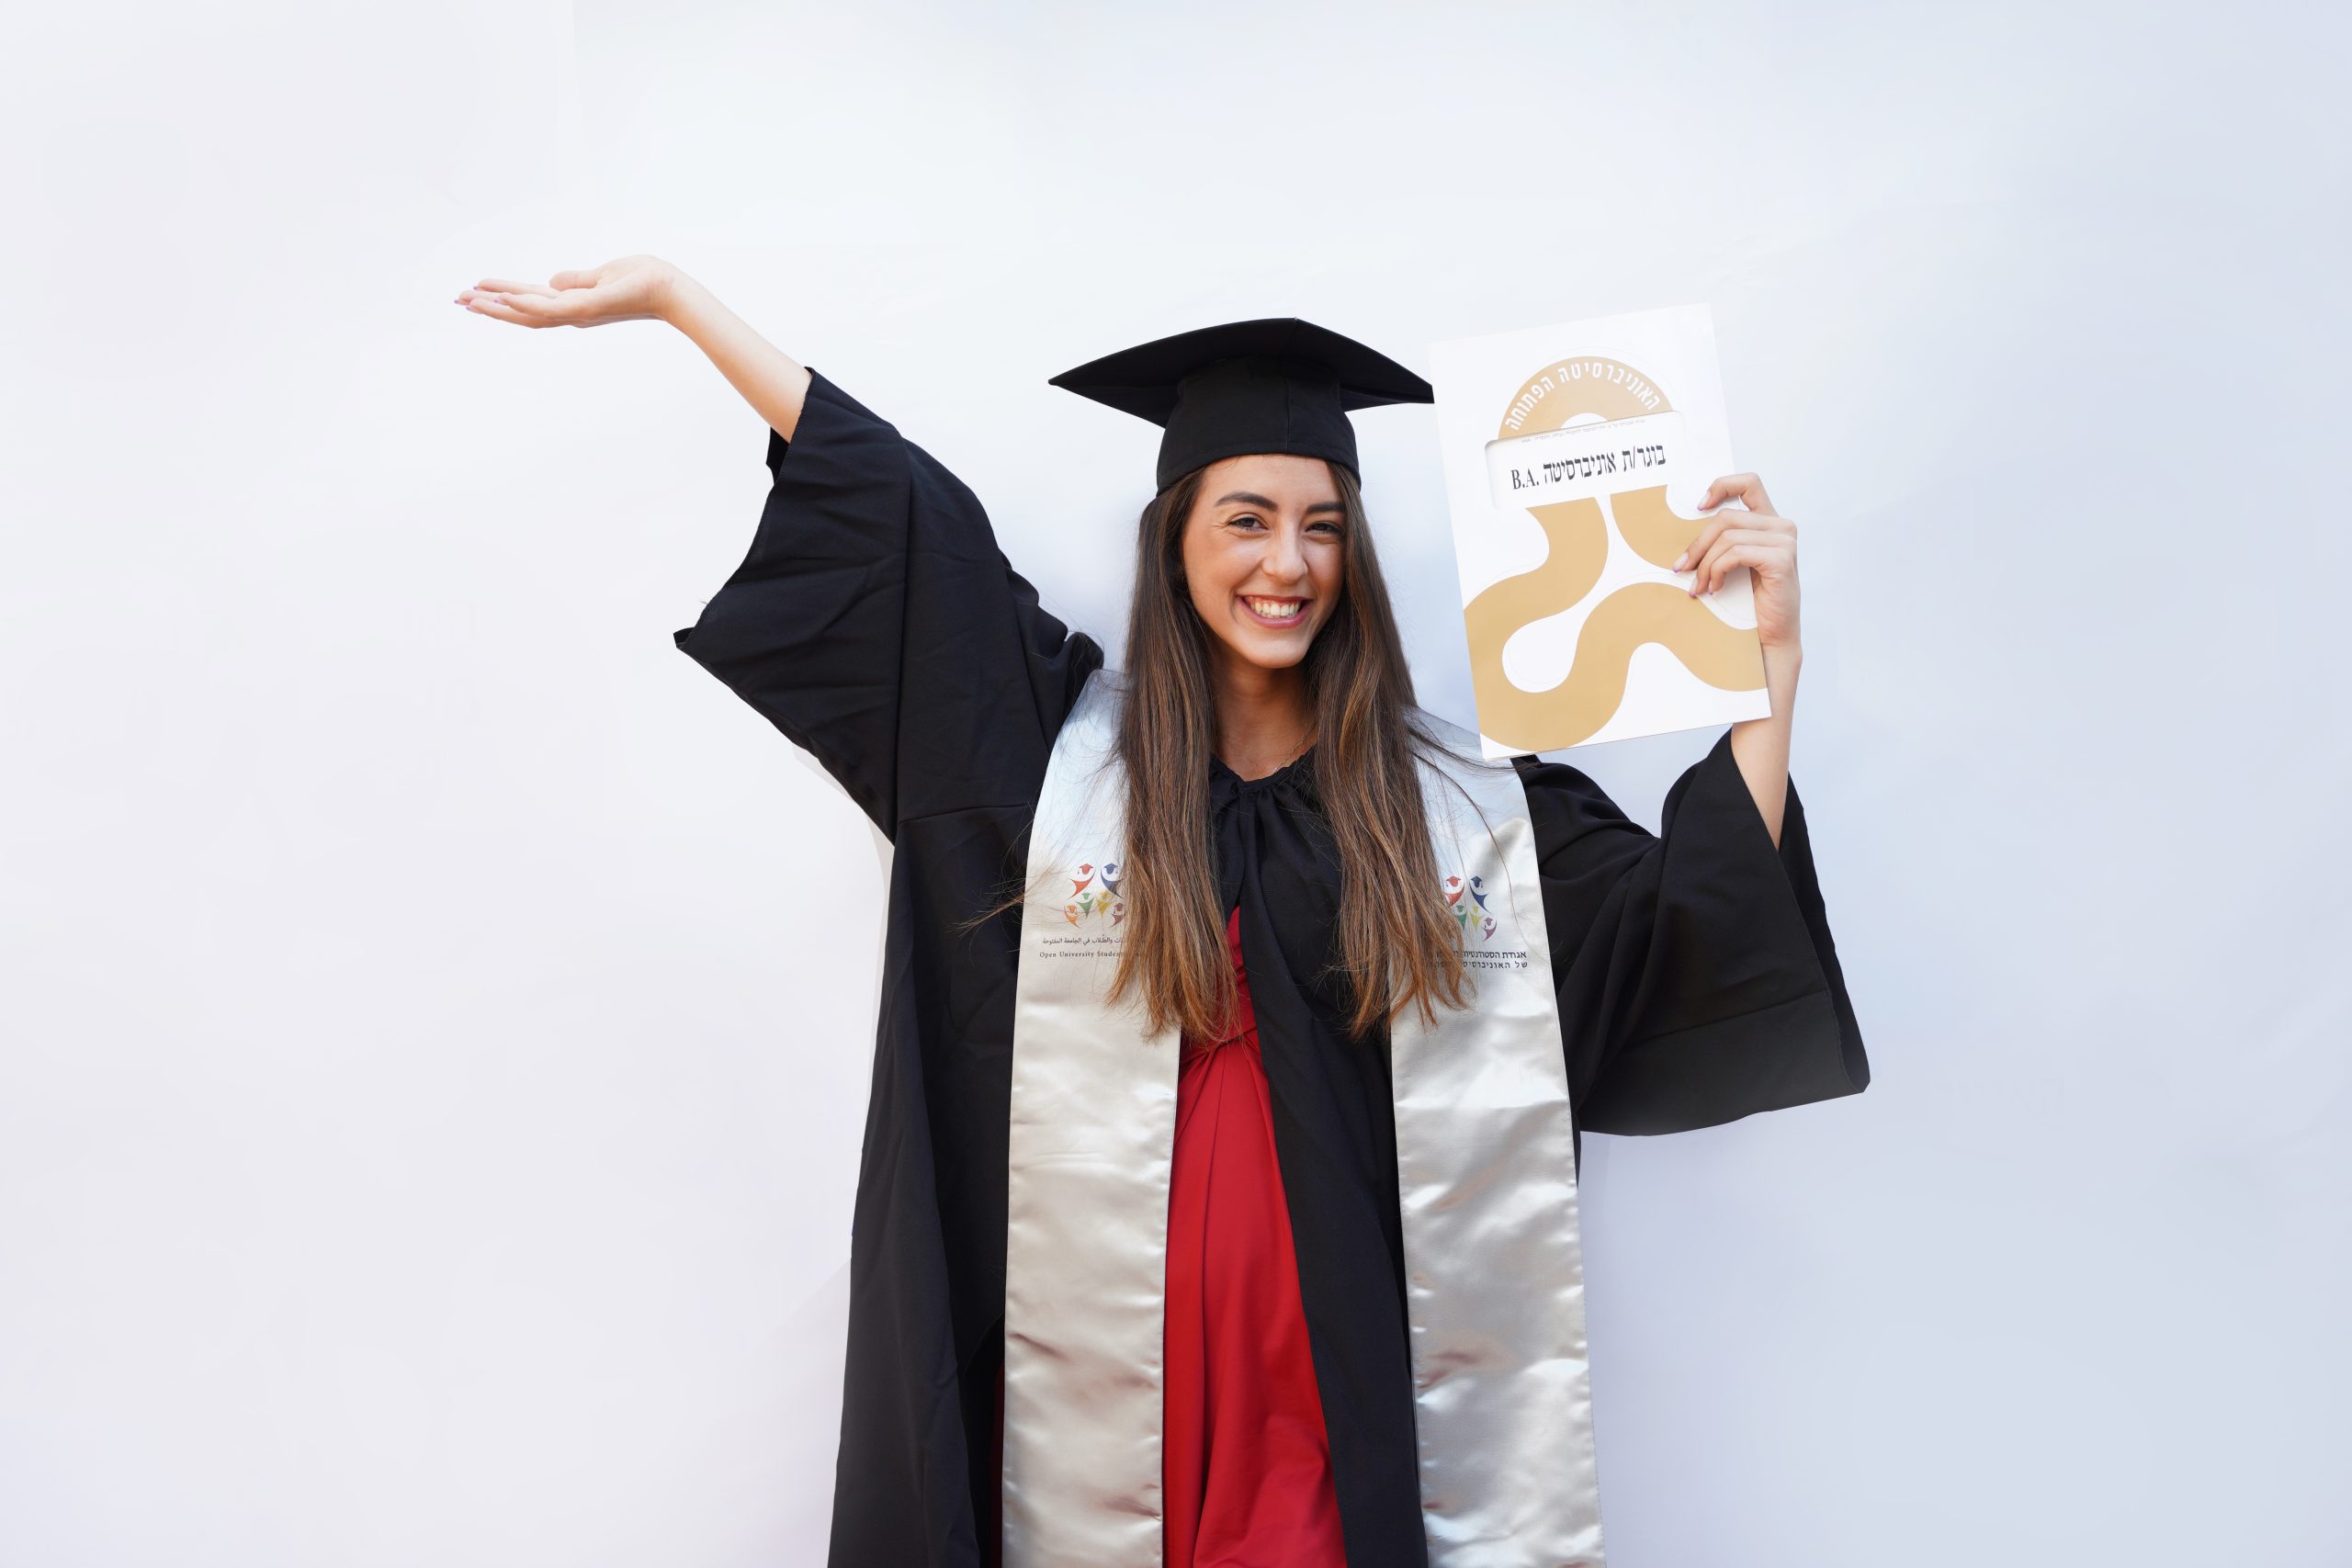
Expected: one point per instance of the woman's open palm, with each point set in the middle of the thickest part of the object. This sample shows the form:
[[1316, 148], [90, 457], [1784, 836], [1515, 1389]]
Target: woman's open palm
[[631, 288]]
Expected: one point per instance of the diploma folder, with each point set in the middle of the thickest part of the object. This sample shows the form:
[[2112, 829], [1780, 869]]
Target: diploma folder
[[1574, 457]]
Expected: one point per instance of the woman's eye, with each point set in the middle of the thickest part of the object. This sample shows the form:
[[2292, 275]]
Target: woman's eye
[[1251, 520]]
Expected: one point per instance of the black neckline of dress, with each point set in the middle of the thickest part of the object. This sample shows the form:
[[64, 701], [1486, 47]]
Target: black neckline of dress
[[1250, 787]]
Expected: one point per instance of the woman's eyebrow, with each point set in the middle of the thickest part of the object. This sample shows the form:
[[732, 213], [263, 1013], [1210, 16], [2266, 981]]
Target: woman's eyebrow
[[1247, 498]]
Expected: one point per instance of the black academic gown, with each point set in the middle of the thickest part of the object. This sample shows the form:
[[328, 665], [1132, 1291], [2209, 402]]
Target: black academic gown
[[876, 622]]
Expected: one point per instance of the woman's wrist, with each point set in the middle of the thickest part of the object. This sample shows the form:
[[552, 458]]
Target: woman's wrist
[[679, 298], [772, 381]]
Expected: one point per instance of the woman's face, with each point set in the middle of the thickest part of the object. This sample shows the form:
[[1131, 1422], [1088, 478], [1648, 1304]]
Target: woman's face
[[1265, 555]]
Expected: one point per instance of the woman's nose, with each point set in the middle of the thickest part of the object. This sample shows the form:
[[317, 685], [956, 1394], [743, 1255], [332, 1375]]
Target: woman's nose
[[1285, 559]]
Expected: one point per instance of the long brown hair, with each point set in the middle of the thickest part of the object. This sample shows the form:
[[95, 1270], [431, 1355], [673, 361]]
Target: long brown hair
[[1396, 942]]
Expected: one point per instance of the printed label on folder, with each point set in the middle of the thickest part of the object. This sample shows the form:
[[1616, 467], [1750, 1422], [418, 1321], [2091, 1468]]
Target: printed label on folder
[[1580, 460]]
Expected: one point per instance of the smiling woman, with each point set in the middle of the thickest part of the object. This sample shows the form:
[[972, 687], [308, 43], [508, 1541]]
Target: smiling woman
[[1264, 571], [1219, 1201]]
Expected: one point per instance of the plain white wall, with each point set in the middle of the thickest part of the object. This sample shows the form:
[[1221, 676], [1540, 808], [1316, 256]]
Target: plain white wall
[[438, 1014]]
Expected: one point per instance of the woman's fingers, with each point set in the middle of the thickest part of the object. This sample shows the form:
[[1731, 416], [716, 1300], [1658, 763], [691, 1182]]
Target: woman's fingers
[[530, 304], [1745, 488], [522, 309], [488, 305], [1718, 564], [535, 307], [1729, 523], [1739, 546]]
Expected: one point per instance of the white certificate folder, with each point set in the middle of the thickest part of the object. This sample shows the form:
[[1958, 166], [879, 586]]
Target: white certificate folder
[[1575, 458]]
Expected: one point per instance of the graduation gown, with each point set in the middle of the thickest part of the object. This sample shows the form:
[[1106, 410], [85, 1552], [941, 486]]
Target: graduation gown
[[876, 622]]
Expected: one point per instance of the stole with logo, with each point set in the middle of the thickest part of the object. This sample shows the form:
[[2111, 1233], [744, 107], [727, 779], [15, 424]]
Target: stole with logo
[[1574, 457]]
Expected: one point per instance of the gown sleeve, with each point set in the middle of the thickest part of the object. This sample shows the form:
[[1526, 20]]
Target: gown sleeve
[[1697, 982], [876, 622]]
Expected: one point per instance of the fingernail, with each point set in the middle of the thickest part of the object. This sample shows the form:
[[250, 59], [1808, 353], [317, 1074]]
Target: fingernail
[[1679, 559]]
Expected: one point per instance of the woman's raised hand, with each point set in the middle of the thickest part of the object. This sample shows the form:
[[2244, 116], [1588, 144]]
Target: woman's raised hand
[[632, 288], [647, 288], [1758, 538]]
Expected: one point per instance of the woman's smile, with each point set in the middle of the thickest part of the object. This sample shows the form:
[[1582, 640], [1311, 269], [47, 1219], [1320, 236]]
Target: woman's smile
[[1273, 612]]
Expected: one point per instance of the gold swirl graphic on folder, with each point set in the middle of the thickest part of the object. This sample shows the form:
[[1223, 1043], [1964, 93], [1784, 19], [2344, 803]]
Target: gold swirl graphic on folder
[[1576, 532]]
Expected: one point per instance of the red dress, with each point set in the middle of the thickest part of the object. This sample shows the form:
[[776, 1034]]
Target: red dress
[[1246, 1468]]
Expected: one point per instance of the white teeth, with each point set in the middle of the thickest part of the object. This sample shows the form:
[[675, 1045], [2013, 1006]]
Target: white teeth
[[1273, 610]]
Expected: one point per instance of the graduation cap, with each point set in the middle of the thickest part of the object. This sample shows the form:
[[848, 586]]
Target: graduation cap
[[1276, 385]]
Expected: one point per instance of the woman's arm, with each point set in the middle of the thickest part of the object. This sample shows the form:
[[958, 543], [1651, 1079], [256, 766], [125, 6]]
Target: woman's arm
[[1756, 537], [872, 619], [1761, 746], [771, 380], [643, 288], [1698, 979]]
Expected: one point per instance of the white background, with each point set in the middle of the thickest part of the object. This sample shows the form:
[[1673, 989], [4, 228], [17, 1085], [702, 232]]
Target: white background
[[436, 1014]]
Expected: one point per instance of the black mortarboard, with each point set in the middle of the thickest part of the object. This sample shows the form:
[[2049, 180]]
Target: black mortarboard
[[1277, 385]]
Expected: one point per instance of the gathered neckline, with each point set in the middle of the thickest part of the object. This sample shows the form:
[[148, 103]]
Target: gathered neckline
[[1295, 768]]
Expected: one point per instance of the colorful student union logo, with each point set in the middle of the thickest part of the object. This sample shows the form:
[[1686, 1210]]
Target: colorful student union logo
[[1095, 899], [1467, 899]]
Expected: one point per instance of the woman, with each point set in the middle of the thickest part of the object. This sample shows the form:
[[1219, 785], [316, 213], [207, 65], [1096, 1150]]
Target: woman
[[1256, 1340]]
